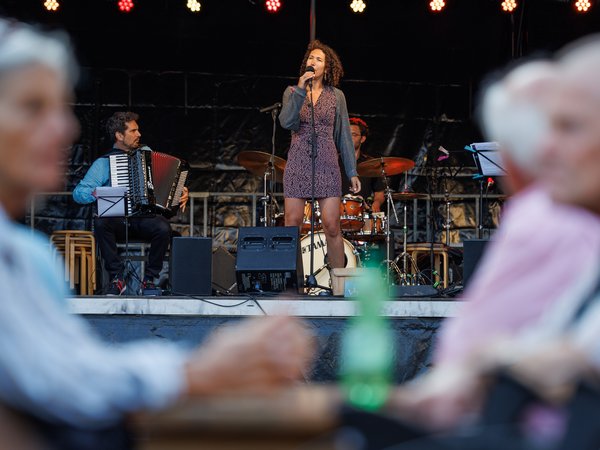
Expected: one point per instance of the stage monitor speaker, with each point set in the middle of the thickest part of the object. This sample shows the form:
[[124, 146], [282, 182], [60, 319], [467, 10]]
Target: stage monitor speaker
[[190, 270], [268, 259], [472, 251], [223, 274]]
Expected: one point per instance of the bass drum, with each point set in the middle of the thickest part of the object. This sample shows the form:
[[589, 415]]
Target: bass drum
[[320, 266]]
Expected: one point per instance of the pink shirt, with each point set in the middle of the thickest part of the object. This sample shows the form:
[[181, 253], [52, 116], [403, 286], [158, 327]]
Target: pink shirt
[[539, 250]]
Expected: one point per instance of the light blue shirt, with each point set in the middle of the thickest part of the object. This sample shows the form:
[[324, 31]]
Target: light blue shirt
[[97, 175], [51, 364]]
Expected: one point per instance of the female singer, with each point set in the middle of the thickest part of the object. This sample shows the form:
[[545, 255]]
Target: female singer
[[317, 85]]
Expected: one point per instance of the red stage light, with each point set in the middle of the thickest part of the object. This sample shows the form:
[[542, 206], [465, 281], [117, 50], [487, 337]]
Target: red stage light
[[125, 5], [273, 5], [437, 5], [582, 6]]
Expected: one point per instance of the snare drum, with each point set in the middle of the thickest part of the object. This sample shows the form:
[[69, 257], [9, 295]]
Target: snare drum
[[351, 213], [320, 265], [305, 228]]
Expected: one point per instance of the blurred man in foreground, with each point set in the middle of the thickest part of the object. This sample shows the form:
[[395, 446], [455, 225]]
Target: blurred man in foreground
[[51, 366]]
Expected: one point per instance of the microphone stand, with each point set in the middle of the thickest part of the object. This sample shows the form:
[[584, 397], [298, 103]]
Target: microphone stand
[[311, 280]]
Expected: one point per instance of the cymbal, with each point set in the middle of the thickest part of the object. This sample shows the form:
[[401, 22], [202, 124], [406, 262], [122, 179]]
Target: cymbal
[[392, 165], [408, 195], [257, 162]]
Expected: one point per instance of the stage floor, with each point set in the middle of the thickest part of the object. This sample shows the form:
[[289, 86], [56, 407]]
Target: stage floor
[[298, 306], [189, 321]]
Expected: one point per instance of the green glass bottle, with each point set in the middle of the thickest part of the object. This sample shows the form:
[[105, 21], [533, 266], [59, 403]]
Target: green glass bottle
[[368, 347]]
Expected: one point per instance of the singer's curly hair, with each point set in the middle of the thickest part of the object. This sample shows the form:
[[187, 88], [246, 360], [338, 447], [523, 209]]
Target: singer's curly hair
[[334, 71]]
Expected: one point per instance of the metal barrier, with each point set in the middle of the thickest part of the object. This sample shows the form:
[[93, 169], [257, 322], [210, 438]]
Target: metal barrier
[[254, 197]]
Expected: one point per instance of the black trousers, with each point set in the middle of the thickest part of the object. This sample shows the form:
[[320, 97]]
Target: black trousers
[[110, 230]]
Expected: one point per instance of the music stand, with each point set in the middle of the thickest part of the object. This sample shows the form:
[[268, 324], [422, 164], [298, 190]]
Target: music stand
[[489, 164], [112, 201]]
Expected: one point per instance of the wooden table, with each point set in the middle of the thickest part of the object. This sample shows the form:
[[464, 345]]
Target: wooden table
[[298, 418]]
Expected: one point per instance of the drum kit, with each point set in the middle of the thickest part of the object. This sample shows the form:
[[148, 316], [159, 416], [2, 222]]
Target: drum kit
[[362, 228]]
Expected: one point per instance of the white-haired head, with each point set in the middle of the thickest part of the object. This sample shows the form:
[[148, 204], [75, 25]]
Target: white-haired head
[[22, 45], [512, 111], [579, 63]]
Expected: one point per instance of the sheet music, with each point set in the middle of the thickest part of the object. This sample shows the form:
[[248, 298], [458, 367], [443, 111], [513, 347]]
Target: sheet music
[[111, 201], [488, 159]]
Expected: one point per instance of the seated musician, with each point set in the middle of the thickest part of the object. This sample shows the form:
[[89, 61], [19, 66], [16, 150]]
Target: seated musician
[[372, 189], [123, 128]]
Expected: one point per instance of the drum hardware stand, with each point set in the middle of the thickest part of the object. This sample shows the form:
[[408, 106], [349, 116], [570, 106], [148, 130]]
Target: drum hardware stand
[[448, 222], [480, 217], [406, 278], [389, 263], [311, 280]]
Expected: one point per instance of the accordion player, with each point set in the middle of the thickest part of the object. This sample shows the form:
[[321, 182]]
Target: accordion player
[[154, 180]]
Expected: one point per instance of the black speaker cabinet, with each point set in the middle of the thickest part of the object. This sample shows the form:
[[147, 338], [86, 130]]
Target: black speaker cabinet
[[473, 250], [191, 266], [268, 259]]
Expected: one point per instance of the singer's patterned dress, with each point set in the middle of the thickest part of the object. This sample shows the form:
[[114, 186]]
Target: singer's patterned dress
[[333, 132]]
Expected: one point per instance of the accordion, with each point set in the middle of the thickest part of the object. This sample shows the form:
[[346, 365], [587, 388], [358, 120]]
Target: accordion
[[154, 180]]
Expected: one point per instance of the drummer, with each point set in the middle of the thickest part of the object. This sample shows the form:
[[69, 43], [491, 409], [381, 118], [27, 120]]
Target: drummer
[[372, 189]]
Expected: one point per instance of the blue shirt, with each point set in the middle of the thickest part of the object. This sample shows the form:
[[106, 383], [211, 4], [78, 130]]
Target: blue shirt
[[97, 175], [51, 364]]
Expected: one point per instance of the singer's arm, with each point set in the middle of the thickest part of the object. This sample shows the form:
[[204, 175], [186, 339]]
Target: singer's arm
[[293, 99], [343, 136]]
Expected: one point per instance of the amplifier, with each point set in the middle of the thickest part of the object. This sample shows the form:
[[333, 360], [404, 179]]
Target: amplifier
[[268, 259]]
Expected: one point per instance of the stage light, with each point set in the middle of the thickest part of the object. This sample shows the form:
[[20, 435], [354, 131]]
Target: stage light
[[273, 5], [509, 5], [583, 5], [194, 5], [51, 5], [437, 5], [125, 5], [358, 6]]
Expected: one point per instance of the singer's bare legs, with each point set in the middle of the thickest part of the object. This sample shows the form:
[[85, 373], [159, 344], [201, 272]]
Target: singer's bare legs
[[294, 212], [330, 216]]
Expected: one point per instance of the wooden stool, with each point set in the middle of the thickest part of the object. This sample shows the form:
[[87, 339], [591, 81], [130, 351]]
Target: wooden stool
[[78, 249], [440, 255]]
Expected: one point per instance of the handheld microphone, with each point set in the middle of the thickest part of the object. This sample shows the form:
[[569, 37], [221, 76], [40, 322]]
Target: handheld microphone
[[310, 69]]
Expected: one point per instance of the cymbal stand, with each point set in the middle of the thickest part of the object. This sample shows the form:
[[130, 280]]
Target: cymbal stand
[[267, 199], [268, 218], [389, 263], [448, 222], [405, 277]]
